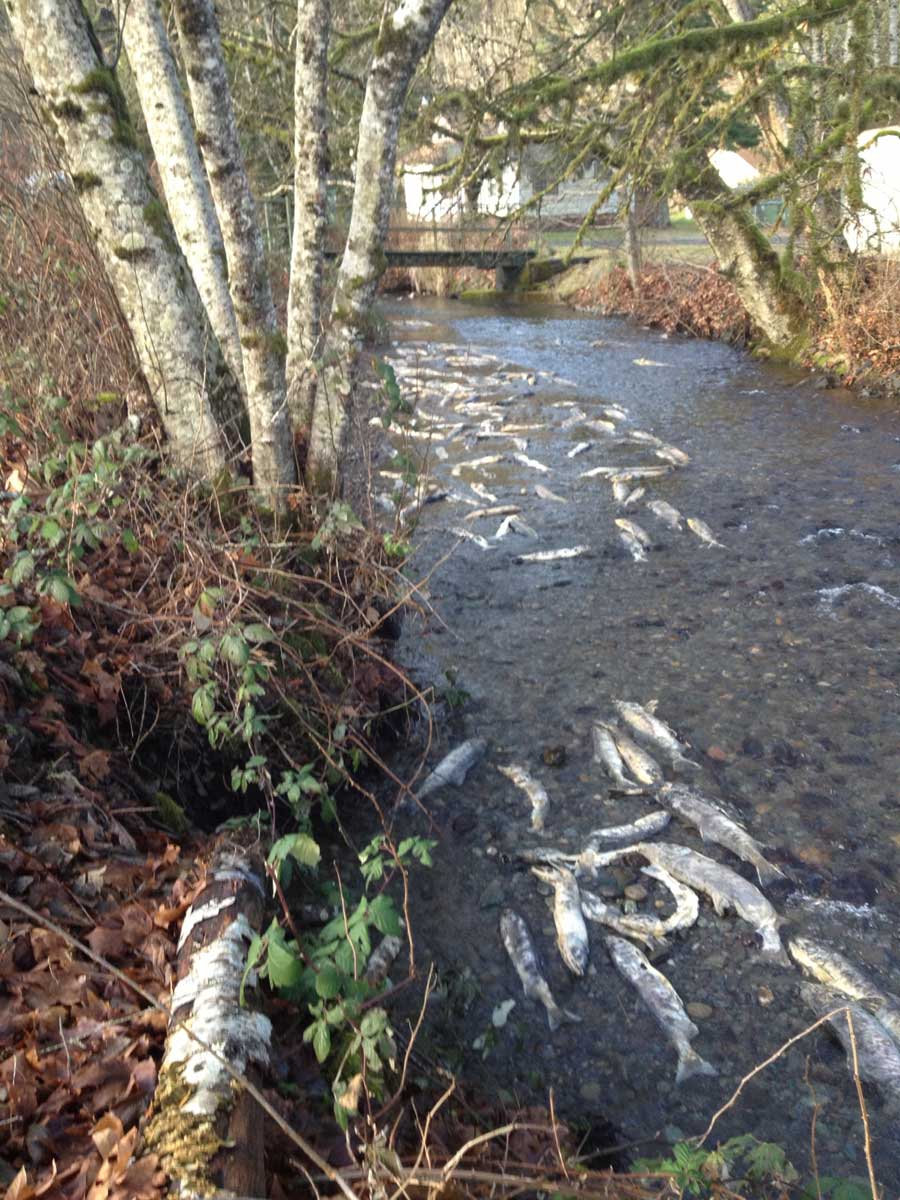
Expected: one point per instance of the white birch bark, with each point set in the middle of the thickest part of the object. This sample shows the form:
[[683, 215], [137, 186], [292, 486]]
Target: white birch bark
[[183, 178], [304, 312], [893, 33], [405, 34], [179, 357], [262, 343]]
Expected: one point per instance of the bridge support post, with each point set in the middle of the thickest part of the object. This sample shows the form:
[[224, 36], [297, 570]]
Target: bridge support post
[[507, 275]]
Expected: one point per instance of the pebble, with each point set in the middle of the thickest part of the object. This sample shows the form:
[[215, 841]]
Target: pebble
[[699, 1010], [591, 1092], [635, 891], [765, 996]]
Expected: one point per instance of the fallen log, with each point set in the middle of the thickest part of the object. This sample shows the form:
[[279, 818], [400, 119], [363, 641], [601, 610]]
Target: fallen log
[[206, 1129]]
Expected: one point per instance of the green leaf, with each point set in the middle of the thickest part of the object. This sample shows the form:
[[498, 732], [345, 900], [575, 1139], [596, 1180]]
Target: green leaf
[[258, 633], [305, 850], [52, 532], [384, 916], [285, 969], [234, 649], [321, 1041], [130, 542], [373, 1023], [22, 568], [328, 982], [203, 704]]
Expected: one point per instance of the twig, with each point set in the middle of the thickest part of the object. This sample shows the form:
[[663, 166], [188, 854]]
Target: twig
[[559, 1154], [761, 1067], [862, 1105]]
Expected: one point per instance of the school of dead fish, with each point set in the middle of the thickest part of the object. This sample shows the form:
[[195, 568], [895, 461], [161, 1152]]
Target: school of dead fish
[[864, 1017]]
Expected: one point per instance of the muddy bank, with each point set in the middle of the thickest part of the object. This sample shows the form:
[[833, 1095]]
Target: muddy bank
[[775, 657]]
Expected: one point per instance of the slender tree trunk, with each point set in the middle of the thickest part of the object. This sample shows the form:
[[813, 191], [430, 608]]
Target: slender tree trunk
[[179, 357], [405, 35], [183, 178], [304, 315], [632, 246], [893, 33], [745, 255], [261, 341]]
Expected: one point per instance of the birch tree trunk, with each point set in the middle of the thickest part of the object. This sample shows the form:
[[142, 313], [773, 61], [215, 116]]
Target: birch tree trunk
[[261, 341], [179, 357], [207, 1131], [304, 313], [893, 33], [405, 35], [183, 178], [744, 254]]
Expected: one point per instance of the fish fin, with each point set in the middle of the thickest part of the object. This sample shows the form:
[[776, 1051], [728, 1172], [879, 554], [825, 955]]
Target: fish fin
[[682, 763], [768, 874], [557, 1016], [690, 1063]]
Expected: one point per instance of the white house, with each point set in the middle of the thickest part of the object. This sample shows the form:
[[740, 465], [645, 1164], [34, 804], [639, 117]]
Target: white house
[[876, 229]]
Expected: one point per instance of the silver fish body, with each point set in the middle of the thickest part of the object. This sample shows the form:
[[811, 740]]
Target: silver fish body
[[634, 547], [621, 491], [633, 473], [541, 556], [571, 931], [521, 951], [633, 496], [703, 532], [498, 510], [673, 455], [468, 535], [600, 426], [644, 768], [667, 514], [647, 929], [829, 967], [531, 462], [664, 1003], [580, 448], [614, 412], [632, 528], [653, 730], [643, 827], [545, 494], [607, 755], [687, 903], [641, 435], [876, 1052], [454, 767], [716, 826], [725, 888], [535, 791], [381, 959]]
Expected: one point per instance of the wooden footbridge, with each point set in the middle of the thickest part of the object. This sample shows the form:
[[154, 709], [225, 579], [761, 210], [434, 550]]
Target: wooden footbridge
[[506, 261]]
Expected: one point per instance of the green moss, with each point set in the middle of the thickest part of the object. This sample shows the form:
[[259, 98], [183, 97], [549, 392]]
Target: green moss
[[84, 181], [157, 217], [102, 82], [171, 813], [69, 110], [277, 342]]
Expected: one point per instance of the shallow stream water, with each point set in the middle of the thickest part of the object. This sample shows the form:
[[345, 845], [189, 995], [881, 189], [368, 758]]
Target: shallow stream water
[[777, 658]]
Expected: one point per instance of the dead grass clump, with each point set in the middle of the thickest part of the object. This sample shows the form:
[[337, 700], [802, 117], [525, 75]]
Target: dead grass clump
[[857, 327], [63, 341], [697, 301]]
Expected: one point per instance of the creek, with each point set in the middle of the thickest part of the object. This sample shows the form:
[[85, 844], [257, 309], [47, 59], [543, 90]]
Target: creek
[[777, 658]]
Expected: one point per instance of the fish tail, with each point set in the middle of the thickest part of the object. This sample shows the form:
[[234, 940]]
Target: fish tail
[[690, 1063], [768, 874], [688, 764]]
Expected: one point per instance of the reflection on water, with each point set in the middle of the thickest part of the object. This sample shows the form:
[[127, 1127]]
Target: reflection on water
[[777, 658]]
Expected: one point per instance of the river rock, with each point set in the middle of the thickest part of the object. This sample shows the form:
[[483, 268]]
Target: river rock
[[698, 1010], [591, 1093], [635, 891]]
